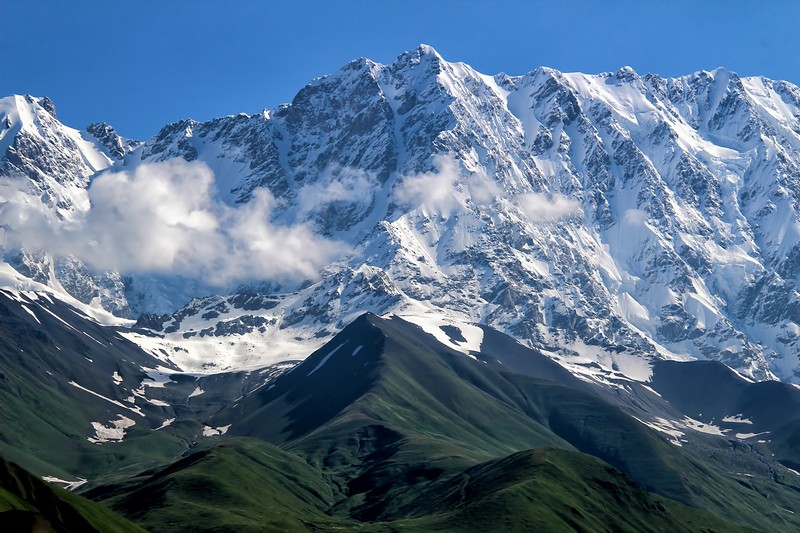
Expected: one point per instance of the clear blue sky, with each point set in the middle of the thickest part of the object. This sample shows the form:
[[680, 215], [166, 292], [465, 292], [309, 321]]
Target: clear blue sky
[[139, 64]]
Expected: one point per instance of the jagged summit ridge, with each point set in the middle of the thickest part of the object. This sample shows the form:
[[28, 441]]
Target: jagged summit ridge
[[680, 196]]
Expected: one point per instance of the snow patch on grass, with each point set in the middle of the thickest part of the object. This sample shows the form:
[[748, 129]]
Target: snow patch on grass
[[208, 431], [744, 436], [165, 423], [114, 432], [31, 313], [136, 410], [702, 427], [325, 359], [68, 485], [737, 419], [471, 336]]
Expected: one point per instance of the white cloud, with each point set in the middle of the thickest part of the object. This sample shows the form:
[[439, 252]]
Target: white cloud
[[482, 189], [432, 190], [540, 208], [635, 217], [445, 190], [338, 186], [163, 218]]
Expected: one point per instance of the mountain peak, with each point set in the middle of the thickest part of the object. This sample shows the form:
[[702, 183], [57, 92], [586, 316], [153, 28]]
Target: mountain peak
[[422, 53], [426, 49], [48, 105], [626, 73], [109, 139], [26, 108], [721, 71]]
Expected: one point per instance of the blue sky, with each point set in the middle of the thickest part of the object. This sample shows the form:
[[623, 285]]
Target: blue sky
[[138, 65]]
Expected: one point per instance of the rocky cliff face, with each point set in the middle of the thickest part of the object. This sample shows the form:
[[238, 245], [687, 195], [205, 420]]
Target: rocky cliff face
[[590, 214]]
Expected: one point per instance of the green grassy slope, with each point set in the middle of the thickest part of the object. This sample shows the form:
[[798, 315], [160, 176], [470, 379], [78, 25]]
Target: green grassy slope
[[383, 425], [45, 421], [250, 485], [549, 489], [26, 500], [242, 485], [411, 411], [732, 394], [398, 417], [46, 349]]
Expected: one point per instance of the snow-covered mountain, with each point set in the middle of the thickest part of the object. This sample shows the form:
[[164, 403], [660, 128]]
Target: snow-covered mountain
[[603, 218]]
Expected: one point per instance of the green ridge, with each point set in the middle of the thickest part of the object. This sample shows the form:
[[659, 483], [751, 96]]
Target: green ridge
[[250, 485], [26, 500]]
